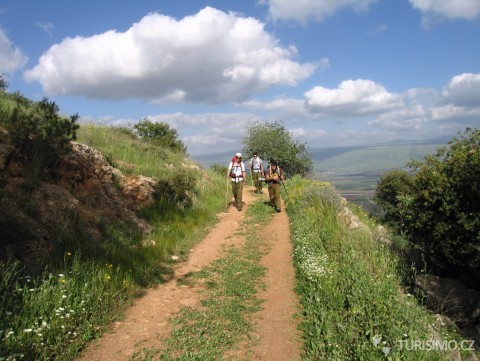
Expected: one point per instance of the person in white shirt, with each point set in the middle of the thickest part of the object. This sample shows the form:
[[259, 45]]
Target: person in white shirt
[[256, 169], [236, 171]]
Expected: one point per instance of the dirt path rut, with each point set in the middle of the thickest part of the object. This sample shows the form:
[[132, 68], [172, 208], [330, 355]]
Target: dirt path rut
[[146, 322]]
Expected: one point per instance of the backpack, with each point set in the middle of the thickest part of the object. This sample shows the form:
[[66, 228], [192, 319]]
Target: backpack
[[278, 171], [232, 170]]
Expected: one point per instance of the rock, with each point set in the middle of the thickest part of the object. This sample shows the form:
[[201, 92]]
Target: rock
[[139, 190], [451, 297], [350, 219]]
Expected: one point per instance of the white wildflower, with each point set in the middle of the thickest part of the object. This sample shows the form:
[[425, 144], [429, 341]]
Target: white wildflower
[[376, 340]]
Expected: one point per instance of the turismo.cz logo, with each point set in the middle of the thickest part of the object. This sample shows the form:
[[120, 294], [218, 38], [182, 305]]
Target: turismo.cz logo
[[436, 345]]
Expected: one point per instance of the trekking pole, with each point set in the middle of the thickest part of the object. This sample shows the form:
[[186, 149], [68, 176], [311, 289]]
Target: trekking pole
[[283, 184], [226, 196]]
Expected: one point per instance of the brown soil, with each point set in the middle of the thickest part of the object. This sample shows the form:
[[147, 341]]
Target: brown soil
[[146, 322]]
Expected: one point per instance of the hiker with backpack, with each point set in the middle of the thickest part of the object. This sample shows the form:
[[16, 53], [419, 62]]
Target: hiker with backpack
[[236, 171], [256, 170], [274, 177]]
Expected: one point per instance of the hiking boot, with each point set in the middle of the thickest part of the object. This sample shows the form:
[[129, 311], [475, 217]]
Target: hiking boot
[[278, 209], [260, 191], [239, 208]]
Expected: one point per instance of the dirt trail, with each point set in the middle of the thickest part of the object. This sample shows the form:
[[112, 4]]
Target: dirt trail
[[146, 322]]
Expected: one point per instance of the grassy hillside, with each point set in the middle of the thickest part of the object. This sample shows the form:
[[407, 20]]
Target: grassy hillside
[[372, 159]]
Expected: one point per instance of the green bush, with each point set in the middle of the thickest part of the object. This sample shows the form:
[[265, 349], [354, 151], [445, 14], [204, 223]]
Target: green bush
[[441, 212], [40, 136], [393, 190], [178, 190], [159, 133]]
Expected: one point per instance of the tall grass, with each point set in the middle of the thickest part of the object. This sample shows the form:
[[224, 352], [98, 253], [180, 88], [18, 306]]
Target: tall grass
[[51, 317], [350, 285]]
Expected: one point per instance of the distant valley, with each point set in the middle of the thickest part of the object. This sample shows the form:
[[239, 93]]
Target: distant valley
[[354, 171]]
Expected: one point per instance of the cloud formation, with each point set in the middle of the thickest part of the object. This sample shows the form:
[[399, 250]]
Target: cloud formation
[[304, 10], [451, 9], [210, 57], [351, 98], [11, 57]]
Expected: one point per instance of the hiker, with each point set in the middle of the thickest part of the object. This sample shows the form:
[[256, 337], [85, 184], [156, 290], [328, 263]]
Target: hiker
[[236, 171], [256, 170], [274, 177]]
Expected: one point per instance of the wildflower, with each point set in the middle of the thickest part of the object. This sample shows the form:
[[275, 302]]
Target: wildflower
[[376, 340], [27, 330], [32, 289], [61, 275], [44, 324], [69, 254], [63, 296]]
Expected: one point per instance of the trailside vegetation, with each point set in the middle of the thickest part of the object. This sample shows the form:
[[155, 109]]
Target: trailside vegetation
[[437, 206], [273, 142], [53, 313], [350, 284]]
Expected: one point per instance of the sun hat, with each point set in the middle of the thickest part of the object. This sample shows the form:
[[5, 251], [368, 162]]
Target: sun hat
[[238, 155]]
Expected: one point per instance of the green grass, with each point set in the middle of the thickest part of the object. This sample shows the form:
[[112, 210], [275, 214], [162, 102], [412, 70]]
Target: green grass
[[223, 321], [350, 285], [51, 317], [130, 154]]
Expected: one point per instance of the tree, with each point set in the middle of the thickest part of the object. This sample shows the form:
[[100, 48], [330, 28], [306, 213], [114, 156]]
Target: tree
[[3, 83], [273, 142], [393, 190], [441, 215], [41, 136], [160, 134]]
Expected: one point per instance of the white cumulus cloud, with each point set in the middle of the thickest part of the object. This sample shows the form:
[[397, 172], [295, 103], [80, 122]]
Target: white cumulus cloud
[[208, 57], [351, 98], [450, 9], [463, 90], [11, 57], [303, 10]]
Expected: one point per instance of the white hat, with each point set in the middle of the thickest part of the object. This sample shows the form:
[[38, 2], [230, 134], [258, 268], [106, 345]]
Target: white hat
[[238, 155]]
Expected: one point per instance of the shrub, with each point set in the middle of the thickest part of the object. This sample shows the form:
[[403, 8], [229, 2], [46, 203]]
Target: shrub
[[441, 212], [160, 134], [393, 190], [179, 190], [40, 136]]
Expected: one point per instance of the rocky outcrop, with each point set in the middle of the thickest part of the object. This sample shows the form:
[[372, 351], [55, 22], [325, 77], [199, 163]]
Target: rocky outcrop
[[84, 190], [451, 297], [102, 191], [454, 300]]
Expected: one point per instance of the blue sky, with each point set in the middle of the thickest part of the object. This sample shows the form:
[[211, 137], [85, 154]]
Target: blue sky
[[335, 72]]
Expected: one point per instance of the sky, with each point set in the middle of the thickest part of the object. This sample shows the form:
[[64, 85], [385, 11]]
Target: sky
[[333, 72]]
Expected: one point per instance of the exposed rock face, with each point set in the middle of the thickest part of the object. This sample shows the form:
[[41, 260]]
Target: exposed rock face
[[453, 299], [90, 179], [450, 296], [87, 189]]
